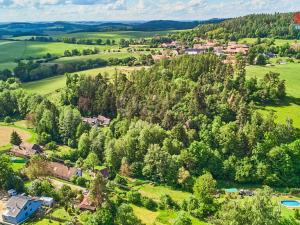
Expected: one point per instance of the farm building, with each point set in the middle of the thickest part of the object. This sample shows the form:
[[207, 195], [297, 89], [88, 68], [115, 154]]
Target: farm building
[[20, 208], [62, 171], [26, 150]]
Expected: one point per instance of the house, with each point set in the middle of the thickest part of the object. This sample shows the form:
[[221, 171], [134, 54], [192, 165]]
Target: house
[[86, 204], [47, 201], [26, 150], [97, 121], [20, 208], [193, 51], [62, 171], [234, 48]]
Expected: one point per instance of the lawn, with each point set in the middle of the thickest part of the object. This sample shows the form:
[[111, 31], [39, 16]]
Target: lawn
[[61, 213], [116, 35], [11, 50], [52, 84], [290, 107], [5, 132], [278, 42], [159, 217], [45, 222], [18, 163], [154, 192]]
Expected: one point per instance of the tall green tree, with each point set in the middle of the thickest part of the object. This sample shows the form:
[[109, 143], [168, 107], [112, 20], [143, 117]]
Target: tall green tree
[[15, 138]]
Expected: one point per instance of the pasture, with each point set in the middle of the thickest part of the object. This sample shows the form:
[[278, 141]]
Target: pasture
[[105, 56], [12, 50], [115, 35], [290, 107]]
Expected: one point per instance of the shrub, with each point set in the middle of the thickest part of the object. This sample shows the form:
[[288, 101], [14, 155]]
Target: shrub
[[166, 202], [120, 180], [81, 181], [51, 145], [7, 119], [134, 197], [149, 203]]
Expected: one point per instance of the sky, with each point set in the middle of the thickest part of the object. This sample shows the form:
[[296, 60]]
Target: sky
[[118, 10]]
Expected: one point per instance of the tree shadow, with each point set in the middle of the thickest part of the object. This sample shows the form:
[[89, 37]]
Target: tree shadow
[[287, 101]]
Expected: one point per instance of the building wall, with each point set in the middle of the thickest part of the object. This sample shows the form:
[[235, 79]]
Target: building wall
[[28, 210]]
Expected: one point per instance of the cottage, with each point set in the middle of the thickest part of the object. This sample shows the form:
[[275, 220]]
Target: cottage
[[62, 171], [26, 150], [20, 208]]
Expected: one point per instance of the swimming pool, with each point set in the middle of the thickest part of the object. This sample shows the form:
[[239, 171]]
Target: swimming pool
[[290, 203]]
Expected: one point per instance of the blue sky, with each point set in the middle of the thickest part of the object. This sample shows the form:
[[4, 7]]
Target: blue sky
[[114, 10]]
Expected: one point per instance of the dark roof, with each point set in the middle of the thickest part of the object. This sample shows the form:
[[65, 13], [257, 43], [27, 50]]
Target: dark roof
[[26, 149]]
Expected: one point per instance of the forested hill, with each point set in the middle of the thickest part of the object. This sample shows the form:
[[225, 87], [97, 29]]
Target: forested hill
[[278, 25]]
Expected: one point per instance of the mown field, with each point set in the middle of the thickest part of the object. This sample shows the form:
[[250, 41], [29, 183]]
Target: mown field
[[12, 50], [117, 35], [290, 108], [278, 42]]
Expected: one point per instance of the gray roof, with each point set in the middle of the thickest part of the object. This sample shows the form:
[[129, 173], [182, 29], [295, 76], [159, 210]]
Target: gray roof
[[15, 204]]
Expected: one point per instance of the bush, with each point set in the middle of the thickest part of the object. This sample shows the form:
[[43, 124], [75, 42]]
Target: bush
[[51, 145], [134, 197], [81, 181], [120, 180], [149, 203], [166, 202], [7, 119]]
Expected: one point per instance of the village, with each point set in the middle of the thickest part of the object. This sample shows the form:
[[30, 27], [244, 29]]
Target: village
[[227, 51]]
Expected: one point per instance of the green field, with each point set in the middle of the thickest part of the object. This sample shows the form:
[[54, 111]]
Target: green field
[[52, 84], [278, 42], [117, 35], [290, 72], [104, 56], [12, 50], [154, 192]]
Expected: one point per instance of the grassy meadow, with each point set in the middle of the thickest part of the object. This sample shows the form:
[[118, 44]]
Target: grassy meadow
[[290, 107], [105, 56], [12, 50], [115, 35], [278, 42]]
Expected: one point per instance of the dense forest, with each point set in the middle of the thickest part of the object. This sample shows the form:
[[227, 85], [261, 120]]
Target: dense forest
[[180, 118], [278, 25]]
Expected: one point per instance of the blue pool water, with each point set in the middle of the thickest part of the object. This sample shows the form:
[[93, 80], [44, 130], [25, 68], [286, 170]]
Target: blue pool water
[[231, 190], [290, 203]]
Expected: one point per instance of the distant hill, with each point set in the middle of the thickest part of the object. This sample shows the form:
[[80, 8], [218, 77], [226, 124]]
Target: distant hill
[[171, 25], [278, 25], [46, 28]]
